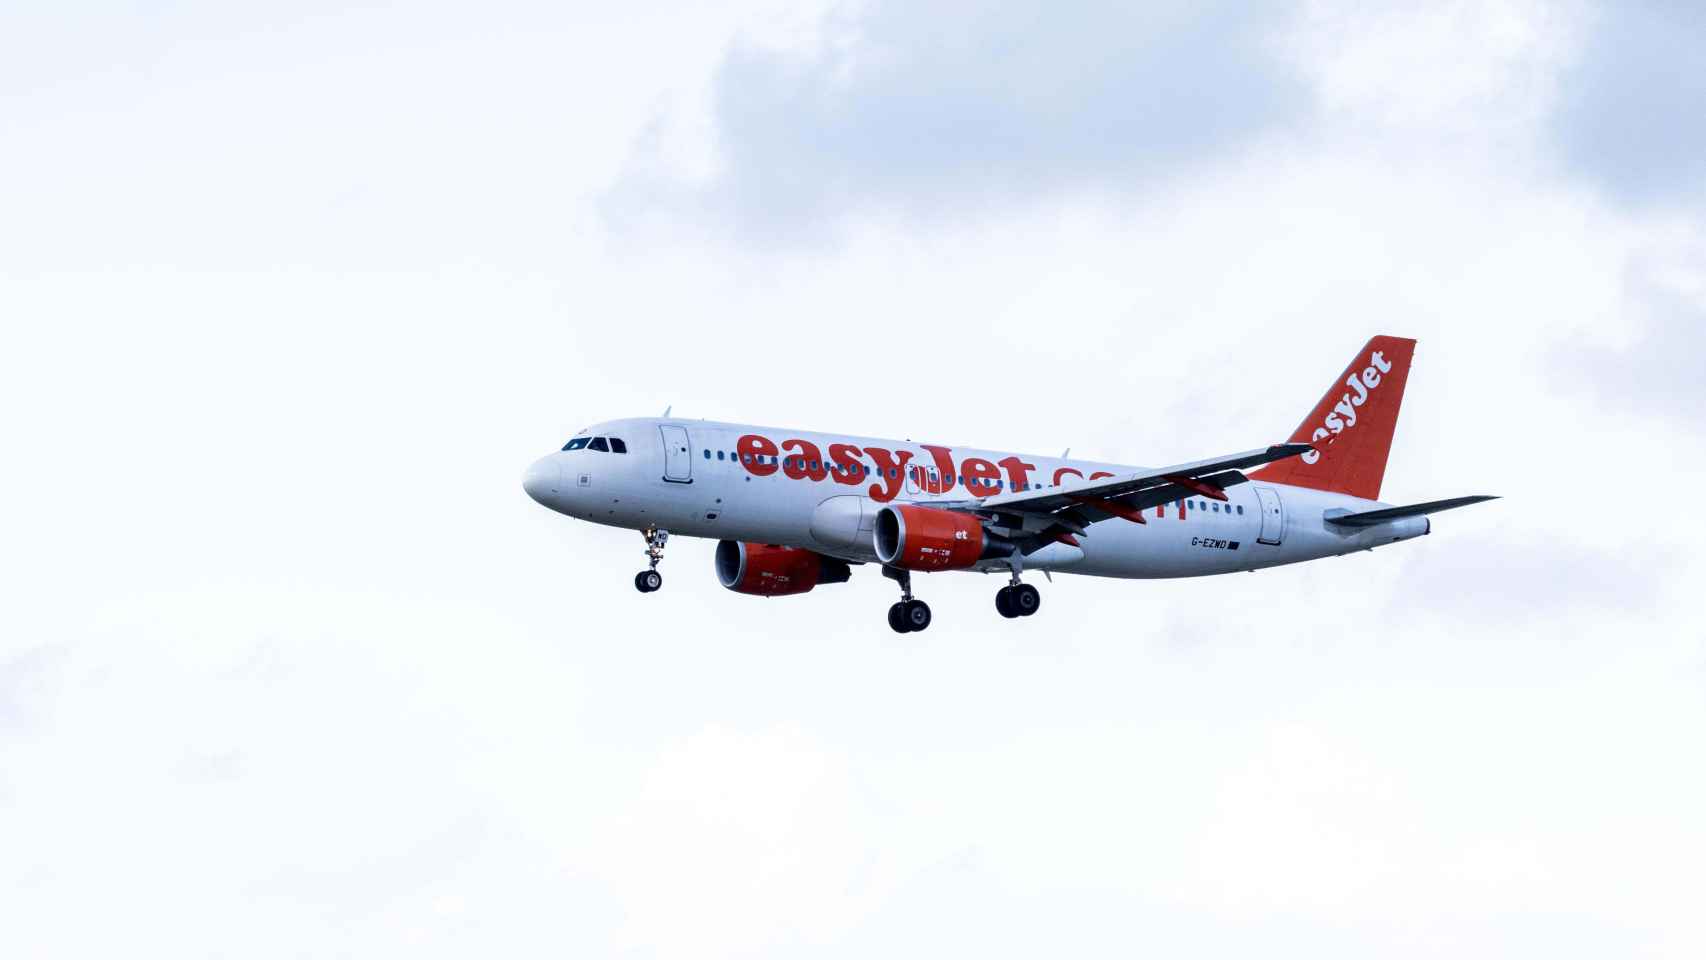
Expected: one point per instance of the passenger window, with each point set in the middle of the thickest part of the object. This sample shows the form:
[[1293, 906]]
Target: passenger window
[[746, 458], [617, 446], [1215, 508], [576, 444], [599, 445], [1240, 510], [719, 454], [707, 453]]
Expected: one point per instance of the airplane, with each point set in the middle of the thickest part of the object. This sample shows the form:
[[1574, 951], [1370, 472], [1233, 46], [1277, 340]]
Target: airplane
[[793, 510]]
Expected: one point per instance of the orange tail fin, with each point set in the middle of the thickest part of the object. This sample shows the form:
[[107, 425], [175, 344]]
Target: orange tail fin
[[1352, 426]]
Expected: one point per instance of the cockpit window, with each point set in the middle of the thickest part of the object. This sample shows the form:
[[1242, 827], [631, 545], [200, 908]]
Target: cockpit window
[[617, 446], [599, 445], [577, 443]]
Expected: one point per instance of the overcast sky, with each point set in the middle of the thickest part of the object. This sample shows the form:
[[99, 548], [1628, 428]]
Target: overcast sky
[[292, 293]]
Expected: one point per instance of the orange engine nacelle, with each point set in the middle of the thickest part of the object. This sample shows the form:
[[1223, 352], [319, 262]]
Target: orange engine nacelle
[[765, 570], [925, 538]]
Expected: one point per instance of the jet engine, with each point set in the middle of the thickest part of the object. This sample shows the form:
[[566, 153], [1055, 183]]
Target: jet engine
[[766, 570], [926, 538]]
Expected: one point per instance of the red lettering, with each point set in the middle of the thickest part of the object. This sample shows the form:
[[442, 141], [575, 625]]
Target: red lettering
[[1063, 471], [800, 467], [890, 468], [944, 469], [757, 454], [1100, 474], [980, 476], [846, 457], [1018, 472]]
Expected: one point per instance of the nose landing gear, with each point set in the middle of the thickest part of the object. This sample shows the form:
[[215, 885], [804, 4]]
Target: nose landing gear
[[649, 579], [909, 615]]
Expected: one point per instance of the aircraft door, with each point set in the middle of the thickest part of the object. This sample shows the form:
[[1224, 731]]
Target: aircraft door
[[677, 454], [1273, 517]]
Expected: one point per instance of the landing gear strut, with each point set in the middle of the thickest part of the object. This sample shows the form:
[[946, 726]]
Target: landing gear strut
[[1017, 599], [649, 579], [909, 615]]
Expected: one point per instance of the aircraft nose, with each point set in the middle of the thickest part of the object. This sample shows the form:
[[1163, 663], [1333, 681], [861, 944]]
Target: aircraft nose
[[542, 479]]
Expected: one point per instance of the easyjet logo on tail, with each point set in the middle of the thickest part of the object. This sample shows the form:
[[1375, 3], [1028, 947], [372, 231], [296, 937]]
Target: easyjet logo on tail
[[1343, 416]]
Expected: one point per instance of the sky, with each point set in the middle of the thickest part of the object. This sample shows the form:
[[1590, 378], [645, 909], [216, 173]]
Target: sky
[[292, 293]]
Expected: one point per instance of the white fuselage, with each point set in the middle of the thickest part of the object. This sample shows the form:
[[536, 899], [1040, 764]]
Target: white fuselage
[[821, 492]]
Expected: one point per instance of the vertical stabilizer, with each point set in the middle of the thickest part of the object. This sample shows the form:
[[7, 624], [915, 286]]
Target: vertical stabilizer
[[1353, 424]]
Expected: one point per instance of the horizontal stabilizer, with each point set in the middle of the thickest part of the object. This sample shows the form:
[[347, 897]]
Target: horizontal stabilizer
[[1370, 518]]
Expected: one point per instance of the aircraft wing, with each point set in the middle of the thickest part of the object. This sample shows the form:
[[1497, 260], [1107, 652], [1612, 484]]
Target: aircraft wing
[[1055, 513]]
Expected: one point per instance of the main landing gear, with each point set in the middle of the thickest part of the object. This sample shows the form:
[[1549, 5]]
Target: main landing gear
[[1017, 599], [909, 615], [649, 579]]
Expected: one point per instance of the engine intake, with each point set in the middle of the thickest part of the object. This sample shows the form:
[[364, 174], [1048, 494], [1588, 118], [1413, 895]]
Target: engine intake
[[925, 538], [767, 570]]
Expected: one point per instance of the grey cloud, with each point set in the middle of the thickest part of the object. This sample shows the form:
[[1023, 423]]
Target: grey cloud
[[937, 109], [1630, 109], [1656, 376]]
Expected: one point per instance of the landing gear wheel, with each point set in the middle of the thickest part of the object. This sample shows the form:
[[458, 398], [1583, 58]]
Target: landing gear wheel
[[647, 580], [909, 615], [897, 618], [916, 613], [1017, 600], [1025, 600]]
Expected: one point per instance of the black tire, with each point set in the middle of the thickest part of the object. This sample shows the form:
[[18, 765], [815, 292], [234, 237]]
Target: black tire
[[1026, 599], [897, 619], [917, 616], [647, 580], [1004, 603]]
